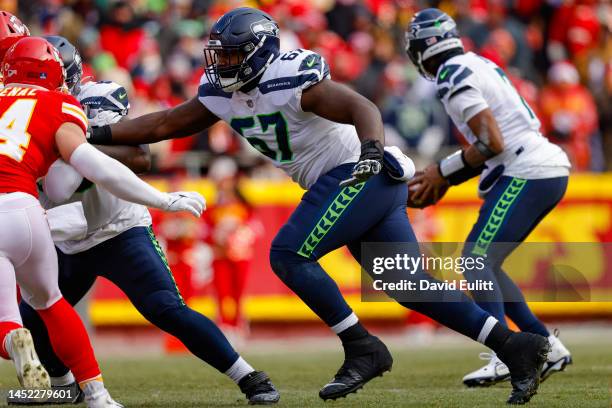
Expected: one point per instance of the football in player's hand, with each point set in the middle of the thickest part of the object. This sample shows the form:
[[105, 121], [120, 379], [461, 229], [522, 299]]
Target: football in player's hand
[[429, 199]]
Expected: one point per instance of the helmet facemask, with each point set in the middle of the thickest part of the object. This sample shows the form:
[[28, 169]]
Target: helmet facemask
[[74, 73], [228, 67]]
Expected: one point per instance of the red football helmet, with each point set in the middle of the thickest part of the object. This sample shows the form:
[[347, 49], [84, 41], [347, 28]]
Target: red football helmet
[[34, 61], [11, 30]]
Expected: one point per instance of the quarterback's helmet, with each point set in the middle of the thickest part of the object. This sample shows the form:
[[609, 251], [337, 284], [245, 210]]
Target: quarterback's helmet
[[11, 30], [34, 61], [72, 61], [241, 45], [430, 33]]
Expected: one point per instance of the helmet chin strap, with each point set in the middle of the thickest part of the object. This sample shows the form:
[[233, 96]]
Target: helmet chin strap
[[233, 84]]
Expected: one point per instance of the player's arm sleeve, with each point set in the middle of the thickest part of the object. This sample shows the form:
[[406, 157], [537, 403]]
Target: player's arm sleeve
[[115, 177], [71, 112], [465, 103], [312, 69], [460, 91], [61, 182], [308, 71]]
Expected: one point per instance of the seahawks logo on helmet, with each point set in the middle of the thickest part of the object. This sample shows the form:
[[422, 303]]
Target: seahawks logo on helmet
[[266, 27]]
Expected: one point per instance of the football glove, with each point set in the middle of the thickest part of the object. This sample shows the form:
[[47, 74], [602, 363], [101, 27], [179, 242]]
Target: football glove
[[189, 201], [369, 164]]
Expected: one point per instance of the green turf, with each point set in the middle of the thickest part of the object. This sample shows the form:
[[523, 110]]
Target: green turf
[[420, 378]]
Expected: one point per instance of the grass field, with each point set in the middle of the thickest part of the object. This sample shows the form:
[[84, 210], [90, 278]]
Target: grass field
[[421, 377]]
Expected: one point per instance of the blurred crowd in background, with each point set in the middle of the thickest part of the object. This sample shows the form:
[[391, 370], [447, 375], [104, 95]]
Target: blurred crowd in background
[[558, 54]]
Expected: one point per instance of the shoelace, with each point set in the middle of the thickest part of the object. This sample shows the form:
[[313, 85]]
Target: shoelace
[[343, 371], [264, 386]]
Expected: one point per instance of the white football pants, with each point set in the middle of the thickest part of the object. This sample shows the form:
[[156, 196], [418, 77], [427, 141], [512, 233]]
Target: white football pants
[[27, 256]]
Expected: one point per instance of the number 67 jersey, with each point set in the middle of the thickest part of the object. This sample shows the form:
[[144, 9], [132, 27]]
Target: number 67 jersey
[[271, 119], [29, 119]]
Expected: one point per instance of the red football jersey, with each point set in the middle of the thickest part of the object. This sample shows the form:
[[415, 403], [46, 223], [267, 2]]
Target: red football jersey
[[29, 119]]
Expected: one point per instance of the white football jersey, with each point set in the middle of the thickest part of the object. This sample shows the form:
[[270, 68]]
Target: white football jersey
[[467, 84], [271, 118], [107, 216]]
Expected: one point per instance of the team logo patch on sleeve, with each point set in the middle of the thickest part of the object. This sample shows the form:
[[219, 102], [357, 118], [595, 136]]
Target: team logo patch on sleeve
[[312, 62]]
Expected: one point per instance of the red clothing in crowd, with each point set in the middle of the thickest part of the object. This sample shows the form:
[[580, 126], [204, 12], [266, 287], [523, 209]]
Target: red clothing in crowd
[[569, 118], [576, 27], [123, 44], [233, 238]]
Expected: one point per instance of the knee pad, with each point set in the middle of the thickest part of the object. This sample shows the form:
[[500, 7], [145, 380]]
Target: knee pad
[[282, 260]]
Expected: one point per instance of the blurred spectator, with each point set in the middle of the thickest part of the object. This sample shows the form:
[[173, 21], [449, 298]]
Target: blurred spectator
[[569, 114], [233, 231], [154, 49], [121, 34]]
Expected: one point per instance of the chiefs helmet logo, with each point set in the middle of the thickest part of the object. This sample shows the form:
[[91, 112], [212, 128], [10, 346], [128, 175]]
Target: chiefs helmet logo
[[19, 26]]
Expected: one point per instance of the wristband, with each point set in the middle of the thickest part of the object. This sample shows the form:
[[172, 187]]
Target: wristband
[[456, 170], [101, 135], [371, 150]]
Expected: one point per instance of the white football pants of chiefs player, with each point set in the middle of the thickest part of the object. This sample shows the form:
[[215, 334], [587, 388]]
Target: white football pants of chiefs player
[[27, 256]]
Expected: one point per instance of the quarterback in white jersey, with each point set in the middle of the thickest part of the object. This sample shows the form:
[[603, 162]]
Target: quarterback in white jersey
[[522, 175], [330, 140], [120, 245], [467, 85]]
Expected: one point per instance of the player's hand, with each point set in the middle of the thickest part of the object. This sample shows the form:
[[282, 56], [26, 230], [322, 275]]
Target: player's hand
[[369, 164], [189, 201], [428, 185]]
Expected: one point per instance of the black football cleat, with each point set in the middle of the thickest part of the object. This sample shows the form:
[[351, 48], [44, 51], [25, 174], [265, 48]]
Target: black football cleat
[[364, 360], [258, 389], [524, 354], [73, 393]]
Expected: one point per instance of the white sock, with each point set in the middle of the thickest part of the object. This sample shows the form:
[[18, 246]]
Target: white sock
[[93, 389], [239, 369], [486, 329], [66, 379], [347, 322]]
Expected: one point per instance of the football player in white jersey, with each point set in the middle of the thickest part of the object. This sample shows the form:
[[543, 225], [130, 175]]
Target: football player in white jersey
[[120, 245], [522, 175], [330, 140]]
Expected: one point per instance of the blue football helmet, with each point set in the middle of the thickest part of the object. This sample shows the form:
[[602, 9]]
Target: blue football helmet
[[241, 45], [430, 33], [72, 61]]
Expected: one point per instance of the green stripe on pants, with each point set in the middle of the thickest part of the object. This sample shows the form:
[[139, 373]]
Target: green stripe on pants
[[329, 218], [496, 218], [162, 255]]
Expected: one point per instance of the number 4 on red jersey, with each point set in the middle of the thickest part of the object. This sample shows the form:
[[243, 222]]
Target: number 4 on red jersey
[[29, 119]]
